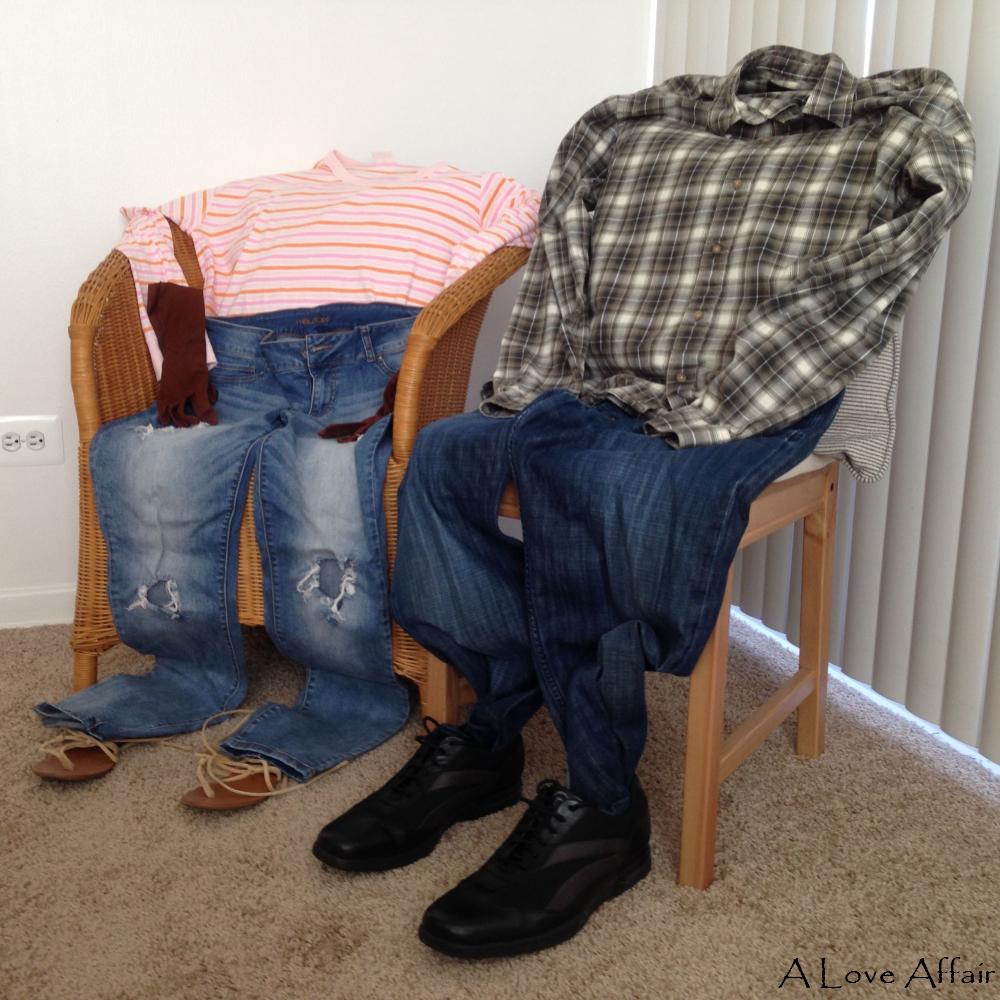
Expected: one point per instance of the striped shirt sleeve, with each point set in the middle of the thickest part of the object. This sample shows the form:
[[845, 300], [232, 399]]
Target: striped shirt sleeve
[[508, 217], [800, 347]]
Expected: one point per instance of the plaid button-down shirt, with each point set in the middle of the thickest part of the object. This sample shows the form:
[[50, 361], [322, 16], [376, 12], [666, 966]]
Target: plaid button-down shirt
[[725, 253]]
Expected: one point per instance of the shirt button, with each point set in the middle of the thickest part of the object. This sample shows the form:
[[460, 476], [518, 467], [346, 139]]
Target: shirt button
[[697, 314], [681, 377], [737, 184], [716, 247]]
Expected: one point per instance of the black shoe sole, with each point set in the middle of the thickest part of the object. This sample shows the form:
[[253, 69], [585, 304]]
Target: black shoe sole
[[555, 935], [485, 807]]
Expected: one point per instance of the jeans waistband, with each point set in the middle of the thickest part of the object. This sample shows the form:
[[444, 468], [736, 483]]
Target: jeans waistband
[[326, 327]]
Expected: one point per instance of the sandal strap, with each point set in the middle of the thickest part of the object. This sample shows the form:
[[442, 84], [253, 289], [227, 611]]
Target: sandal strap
[[216, 767], [76, 739]]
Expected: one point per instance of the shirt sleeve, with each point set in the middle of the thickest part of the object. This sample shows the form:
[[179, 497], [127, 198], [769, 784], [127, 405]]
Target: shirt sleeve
[[541, 347], [799, 348], [508, 214], [149, 246]]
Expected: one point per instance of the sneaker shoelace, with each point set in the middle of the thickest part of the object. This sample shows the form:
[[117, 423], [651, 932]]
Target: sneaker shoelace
[[399, 785], [528, 837], [217, 768]]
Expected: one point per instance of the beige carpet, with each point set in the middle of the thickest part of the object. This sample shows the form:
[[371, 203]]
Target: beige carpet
[[881, 853]]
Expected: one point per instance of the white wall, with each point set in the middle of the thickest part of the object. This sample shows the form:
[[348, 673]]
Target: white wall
[[107, 103]]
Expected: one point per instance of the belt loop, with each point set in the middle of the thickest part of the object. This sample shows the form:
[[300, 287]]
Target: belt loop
[[366, 339]]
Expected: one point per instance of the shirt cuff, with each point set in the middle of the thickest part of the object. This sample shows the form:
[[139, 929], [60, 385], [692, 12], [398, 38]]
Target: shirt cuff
[[502, 401], [686, 427], [489, 408]]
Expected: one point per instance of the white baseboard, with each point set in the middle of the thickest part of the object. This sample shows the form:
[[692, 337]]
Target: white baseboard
[[24, 606]]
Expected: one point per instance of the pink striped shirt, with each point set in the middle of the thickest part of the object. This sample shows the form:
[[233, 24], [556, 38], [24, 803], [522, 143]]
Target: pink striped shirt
[[344, 231]]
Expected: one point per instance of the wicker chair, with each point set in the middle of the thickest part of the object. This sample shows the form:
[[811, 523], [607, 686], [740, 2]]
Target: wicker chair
[[112, 377]]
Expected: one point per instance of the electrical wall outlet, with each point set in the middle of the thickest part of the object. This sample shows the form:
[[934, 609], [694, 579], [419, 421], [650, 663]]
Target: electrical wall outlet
[[30, 441]]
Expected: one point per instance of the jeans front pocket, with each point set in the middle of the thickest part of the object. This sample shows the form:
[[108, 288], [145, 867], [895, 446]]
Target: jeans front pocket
[[390, 356], [233, 369]]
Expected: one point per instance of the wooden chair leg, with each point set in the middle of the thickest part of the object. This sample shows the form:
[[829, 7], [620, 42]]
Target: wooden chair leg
[[84, 670], [818, 551], [439, 695], [706, 704]]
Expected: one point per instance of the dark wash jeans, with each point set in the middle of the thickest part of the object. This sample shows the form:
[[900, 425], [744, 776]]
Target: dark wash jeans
[[627, 547]]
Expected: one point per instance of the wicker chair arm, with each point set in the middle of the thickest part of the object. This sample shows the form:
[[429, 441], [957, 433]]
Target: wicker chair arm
[[452, 316], [85, 317], [451, 303]]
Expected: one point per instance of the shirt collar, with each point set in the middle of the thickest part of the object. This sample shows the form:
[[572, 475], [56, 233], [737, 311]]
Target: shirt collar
[[829, 85]]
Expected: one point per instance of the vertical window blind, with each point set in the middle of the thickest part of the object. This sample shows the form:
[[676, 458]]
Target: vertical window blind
[[915, 602]]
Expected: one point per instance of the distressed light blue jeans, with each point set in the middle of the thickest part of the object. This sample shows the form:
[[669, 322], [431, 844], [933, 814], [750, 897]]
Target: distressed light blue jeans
[[170, 502], [627, 544]]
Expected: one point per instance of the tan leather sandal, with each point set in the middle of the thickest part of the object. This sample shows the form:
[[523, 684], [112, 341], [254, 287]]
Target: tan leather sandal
[[73, 755], [226, 783]]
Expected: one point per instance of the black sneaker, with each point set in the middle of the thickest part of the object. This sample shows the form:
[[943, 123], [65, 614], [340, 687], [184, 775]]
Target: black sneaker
[[563, 859], [447, 780]]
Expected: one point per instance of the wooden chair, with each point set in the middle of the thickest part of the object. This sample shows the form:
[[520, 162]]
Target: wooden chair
[[809, 492], [112, 377]]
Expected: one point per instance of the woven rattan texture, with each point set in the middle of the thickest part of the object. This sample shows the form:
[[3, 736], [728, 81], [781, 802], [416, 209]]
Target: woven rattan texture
[[112, 377], [250, 573], [123, 373]]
